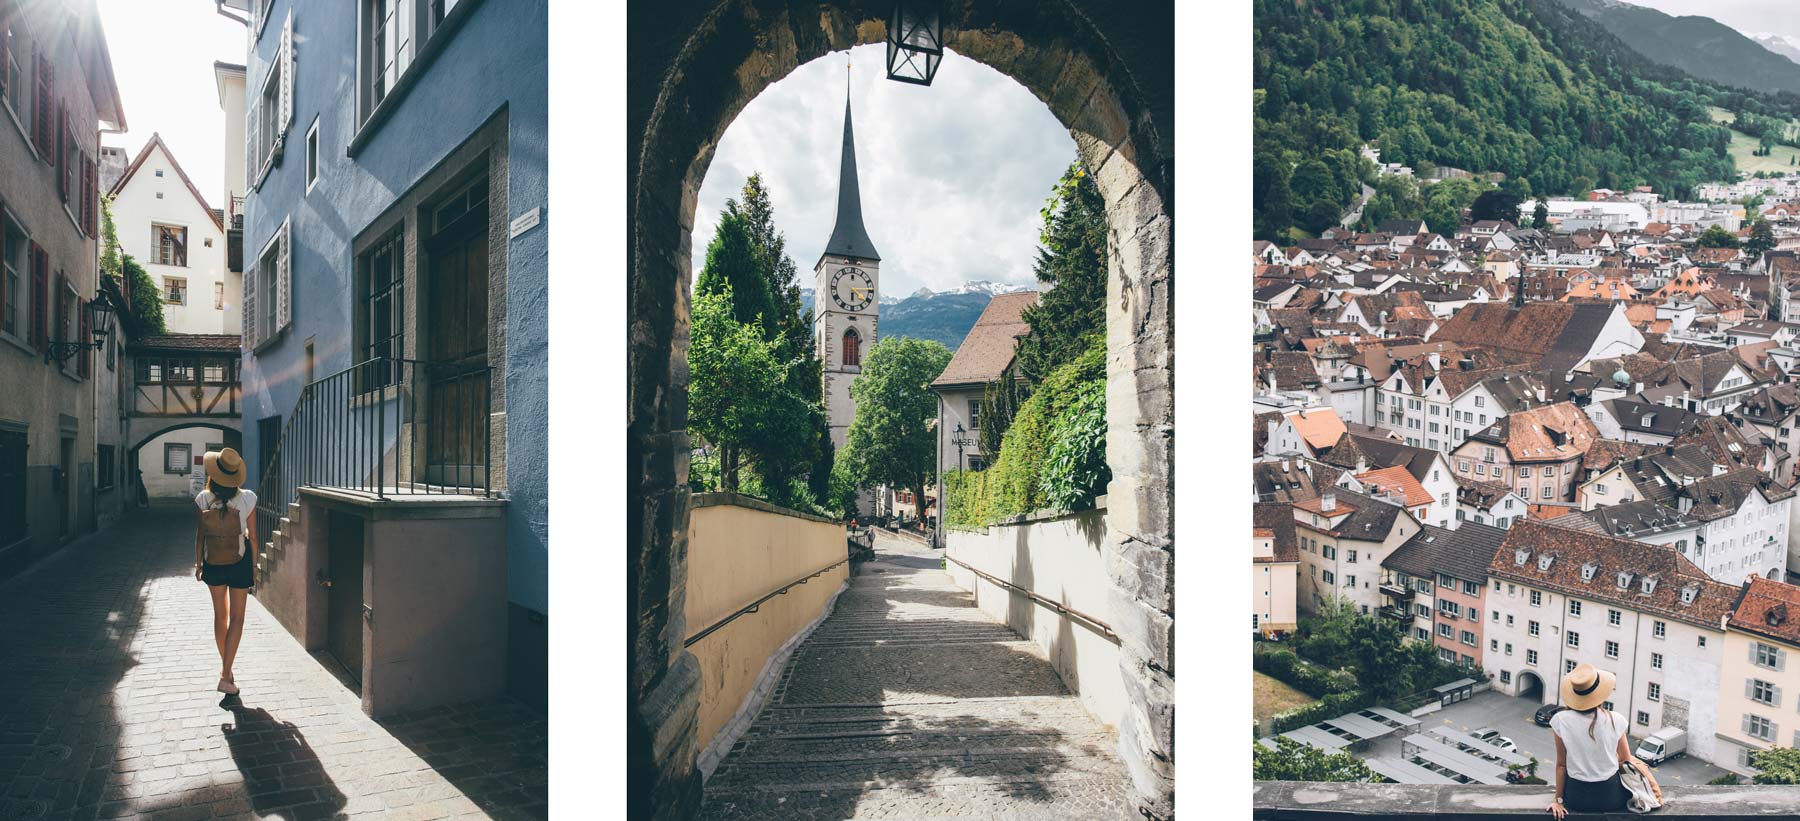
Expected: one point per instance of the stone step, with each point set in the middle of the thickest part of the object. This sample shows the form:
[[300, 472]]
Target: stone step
[[1051, 796]]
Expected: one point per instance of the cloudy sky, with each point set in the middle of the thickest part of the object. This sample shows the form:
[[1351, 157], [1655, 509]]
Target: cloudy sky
[[1747, 16], [952, 176], [162, 54]]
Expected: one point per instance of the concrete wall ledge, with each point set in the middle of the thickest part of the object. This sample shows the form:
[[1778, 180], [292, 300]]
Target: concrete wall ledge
[[1312, 801], [1045, 515], [406, 505], [699, 500]]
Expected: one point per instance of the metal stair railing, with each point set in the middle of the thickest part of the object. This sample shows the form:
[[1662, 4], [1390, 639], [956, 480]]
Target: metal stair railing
[[385, 427]]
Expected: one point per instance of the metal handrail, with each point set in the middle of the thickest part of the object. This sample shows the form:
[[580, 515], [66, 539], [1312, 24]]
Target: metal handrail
[[1096, 625], [753, 606], [338, 435]]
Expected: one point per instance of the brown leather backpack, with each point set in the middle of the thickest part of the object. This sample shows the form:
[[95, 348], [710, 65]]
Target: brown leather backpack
[[219, 535]]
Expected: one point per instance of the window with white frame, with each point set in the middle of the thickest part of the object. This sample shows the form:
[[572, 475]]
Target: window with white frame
[[175, 290], [15, 47], [1759, 727], [1574, 639], [1764, 692], [395, 34], [1612, 649], [1659, 629], [1764, 655], [1531, 657], [1574, 607], [15, 266], [1656, 661], [1653, 691], [271, 111]]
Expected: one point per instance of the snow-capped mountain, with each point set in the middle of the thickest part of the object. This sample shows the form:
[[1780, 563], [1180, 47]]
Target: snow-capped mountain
[[945, 316], [1786, 45]]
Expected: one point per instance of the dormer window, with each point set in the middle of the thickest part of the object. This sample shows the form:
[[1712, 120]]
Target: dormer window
[[1520, 557], [1544, 561], [1588, 570], [1624, 580], [1689, 593]]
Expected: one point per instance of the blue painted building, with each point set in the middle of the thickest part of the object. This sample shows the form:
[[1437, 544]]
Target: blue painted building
[[396, 183]]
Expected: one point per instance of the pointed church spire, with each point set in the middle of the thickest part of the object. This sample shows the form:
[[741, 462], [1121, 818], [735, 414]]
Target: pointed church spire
[[848, 237]]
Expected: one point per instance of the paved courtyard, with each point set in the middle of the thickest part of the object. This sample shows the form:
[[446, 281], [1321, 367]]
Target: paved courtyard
[[108, 708], [910, 702], [1512, 717]]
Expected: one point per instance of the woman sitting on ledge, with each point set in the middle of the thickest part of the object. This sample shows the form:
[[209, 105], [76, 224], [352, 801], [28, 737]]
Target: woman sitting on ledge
[[1591, 746]]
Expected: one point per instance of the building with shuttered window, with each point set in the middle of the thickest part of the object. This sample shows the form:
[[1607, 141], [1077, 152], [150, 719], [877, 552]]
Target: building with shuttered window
[[395, 269], [57, 92]]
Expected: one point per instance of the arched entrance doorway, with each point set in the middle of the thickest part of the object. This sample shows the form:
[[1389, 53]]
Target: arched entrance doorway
[[1530, 686], [154, 455], [1107, 73]]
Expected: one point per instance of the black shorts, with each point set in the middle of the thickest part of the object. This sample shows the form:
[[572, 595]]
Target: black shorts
[[239, 575], [1595, 796]]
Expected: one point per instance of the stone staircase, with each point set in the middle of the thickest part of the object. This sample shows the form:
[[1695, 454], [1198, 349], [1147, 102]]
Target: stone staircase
[[910, 702]]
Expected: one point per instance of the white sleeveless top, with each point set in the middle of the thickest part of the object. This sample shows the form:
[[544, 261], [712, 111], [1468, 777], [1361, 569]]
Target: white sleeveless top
[[1590, 759]]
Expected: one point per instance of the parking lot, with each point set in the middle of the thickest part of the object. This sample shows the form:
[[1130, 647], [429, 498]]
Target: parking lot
[[1512, 717]]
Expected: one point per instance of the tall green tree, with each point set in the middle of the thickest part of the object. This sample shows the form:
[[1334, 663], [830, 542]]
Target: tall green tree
[[1294, 761], [1071, 270], [1540, 216], [739, 400], [1762, 238], [747, 263], [1717, 237], [890, 442]]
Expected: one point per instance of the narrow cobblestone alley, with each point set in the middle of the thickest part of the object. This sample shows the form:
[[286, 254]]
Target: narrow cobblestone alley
[[908, 701], [108, 708]]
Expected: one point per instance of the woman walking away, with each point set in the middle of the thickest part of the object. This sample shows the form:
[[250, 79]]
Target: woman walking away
[[1591, 745], [223, 558]]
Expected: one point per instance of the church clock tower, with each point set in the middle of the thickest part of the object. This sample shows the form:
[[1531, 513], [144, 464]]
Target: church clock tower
[[845, 301]]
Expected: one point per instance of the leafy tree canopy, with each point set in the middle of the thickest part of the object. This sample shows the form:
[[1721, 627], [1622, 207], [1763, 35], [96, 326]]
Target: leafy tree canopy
[[1294, 761], [889, 442], [1717, 237], [1778, 765]]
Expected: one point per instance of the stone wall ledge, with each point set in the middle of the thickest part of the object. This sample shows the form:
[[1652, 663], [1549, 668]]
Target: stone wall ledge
[[1313, 801], [1045, 515], [700, 500]]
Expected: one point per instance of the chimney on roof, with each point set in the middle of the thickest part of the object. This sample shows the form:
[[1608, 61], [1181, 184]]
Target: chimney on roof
[[1328, 502]]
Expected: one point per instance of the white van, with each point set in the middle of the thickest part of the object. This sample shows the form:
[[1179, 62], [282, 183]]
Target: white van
[[1662, 745]]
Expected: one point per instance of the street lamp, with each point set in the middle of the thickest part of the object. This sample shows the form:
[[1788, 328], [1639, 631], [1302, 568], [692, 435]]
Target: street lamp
[[915, 41], [100, 313], [961, 440]]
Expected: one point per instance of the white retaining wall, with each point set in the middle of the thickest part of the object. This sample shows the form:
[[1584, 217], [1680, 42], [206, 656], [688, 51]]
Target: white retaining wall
[[1057, 556]]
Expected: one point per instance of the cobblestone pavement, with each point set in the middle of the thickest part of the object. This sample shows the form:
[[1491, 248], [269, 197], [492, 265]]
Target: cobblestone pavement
[[108, 708], [908, 702]]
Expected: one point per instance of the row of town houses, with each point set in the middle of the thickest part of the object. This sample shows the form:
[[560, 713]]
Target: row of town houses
[[382, 225], [1532, 452]]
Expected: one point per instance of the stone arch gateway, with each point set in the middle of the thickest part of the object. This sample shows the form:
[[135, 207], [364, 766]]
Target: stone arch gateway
[[1106, 71]]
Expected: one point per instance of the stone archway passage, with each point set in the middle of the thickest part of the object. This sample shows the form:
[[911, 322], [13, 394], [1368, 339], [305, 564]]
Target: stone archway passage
[[1106, 70]]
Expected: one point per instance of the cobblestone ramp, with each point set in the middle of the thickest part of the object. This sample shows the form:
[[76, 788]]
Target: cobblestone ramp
[[908, 702], [107, 708]]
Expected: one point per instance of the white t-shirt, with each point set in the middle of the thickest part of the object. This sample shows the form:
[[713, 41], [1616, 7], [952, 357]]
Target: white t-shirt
[[244, 503], [1590, 759]]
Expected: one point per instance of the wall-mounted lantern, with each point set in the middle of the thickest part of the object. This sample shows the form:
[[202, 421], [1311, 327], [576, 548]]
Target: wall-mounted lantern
[[915, 41], [100, 315]]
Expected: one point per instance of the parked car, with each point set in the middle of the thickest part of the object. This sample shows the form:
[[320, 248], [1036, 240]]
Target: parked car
[[1492, 736], [1542, 718], [1662, 745]]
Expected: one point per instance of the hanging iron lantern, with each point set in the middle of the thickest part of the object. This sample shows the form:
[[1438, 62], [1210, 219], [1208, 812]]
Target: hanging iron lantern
[[915, 41]]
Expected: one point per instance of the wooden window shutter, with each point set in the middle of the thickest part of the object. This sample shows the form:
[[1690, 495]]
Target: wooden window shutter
[[40, 289], [43, 112], [252, 144], [286, 67], [284, 305], [90, 196], [84, 332], [252, 273]]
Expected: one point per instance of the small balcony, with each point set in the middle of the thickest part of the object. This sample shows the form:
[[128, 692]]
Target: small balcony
[[1399, 614], [1399, 592]]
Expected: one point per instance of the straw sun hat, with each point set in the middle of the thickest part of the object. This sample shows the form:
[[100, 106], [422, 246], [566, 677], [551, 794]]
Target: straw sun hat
[[1586, 687], [225, 468]]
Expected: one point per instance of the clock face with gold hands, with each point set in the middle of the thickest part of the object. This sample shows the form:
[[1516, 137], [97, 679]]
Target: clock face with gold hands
[[852, 289]]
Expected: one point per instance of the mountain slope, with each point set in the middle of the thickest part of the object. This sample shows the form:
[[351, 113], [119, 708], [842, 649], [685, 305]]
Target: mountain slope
[[1781, 44], [1528, 88], [1700, 46], [944, 316]]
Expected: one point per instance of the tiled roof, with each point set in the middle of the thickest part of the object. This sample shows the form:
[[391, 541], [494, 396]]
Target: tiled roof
[[1464, 552], [1395, 480], [1321, 427], [1722, 442], [1547, 433], [988, 348], [1278, 518], [1670, 576], [1554, 334], [1370, 520], [1648, 417], [1283, 480], [1634, 520], [1716, 497], [1482, 495], [1768, 608], [1379, 452], [222, 343]]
